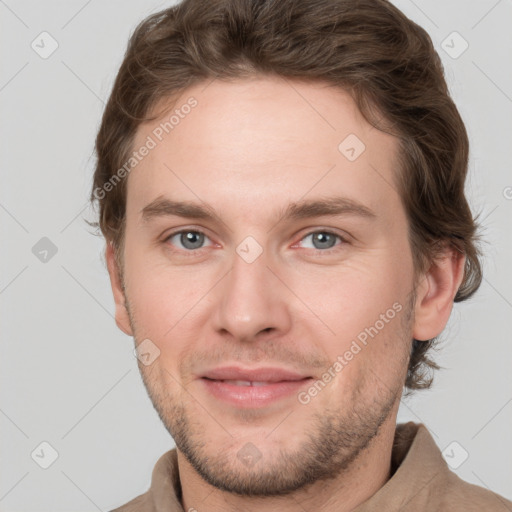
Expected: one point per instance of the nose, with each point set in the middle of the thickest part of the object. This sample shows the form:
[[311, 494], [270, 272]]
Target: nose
[[252, 303]]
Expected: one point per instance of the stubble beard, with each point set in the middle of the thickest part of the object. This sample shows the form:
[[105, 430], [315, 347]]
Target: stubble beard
[[332, 440]]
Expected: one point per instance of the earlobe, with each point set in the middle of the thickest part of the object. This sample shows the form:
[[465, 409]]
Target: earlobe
[[121, 315], [435, 294]]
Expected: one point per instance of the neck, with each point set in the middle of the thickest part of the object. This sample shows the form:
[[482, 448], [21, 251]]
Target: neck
[[365, 476]]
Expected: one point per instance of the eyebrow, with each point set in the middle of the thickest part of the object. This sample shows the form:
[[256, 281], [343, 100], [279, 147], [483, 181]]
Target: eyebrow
[[305, 209]]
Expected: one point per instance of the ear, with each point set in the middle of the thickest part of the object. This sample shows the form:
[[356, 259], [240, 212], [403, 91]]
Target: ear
[[435, 294], [122, 318]]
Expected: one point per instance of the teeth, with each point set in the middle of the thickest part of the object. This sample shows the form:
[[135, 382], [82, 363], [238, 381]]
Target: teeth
[[246, 383]]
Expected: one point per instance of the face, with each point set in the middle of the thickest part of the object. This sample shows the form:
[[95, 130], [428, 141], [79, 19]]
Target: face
[[302, 265]]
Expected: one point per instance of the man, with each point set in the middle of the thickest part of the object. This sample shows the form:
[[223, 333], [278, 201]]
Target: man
[[281, 188]]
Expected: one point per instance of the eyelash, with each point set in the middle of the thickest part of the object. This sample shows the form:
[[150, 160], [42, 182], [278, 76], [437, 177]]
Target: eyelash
[[192, 252]]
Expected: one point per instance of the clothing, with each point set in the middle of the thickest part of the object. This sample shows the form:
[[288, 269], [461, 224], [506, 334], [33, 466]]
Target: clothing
[[421, 481]]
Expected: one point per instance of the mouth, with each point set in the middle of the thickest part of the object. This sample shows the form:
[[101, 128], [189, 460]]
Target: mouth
[[247, 382], [268, 375], [244, 391]]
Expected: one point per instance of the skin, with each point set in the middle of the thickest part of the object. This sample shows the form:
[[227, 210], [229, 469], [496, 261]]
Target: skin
[[248, 149]]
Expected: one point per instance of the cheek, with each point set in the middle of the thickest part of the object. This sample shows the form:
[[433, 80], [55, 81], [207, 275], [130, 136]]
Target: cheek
[[371, 349], [363, 305], [158, 306], [150, 295], [351, 298], [164, 302]]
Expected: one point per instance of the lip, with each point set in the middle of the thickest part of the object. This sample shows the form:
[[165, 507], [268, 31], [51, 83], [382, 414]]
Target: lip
[[278, 384], [268, 374]]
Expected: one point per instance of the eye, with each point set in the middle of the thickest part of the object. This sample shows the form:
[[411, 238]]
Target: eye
[[323, 240], [190, 239]]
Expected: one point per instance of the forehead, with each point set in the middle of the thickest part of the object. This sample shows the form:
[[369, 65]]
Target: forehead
[[230, 142]]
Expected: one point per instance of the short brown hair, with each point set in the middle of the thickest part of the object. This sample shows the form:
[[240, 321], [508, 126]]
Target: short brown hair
[[368, 48]]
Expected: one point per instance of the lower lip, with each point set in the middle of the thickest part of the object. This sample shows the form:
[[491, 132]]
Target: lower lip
[[253, 396]]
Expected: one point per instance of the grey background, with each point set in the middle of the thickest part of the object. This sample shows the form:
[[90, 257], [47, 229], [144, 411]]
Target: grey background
[[68, 375]]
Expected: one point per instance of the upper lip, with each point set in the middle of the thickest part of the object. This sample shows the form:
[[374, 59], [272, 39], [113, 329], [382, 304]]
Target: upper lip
[[269, 374]]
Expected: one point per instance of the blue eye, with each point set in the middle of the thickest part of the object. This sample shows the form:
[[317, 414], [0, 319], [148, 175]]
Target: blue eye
[[191, 240], [188, 238], [323, 240]]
